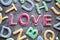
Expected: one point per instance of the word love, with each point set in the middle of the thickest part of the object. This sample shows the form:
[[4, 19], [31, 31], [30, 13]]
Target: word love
[[36, 21], [25, 15]]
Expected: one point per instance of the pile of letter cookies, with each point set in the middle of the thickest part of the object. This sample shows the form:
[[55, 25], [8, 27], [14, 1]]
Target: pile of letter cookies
[[31, 33]]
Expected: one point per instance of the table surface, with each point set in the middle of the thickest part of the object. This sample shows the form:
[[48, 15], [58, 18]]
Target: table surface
[[40, 26]]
